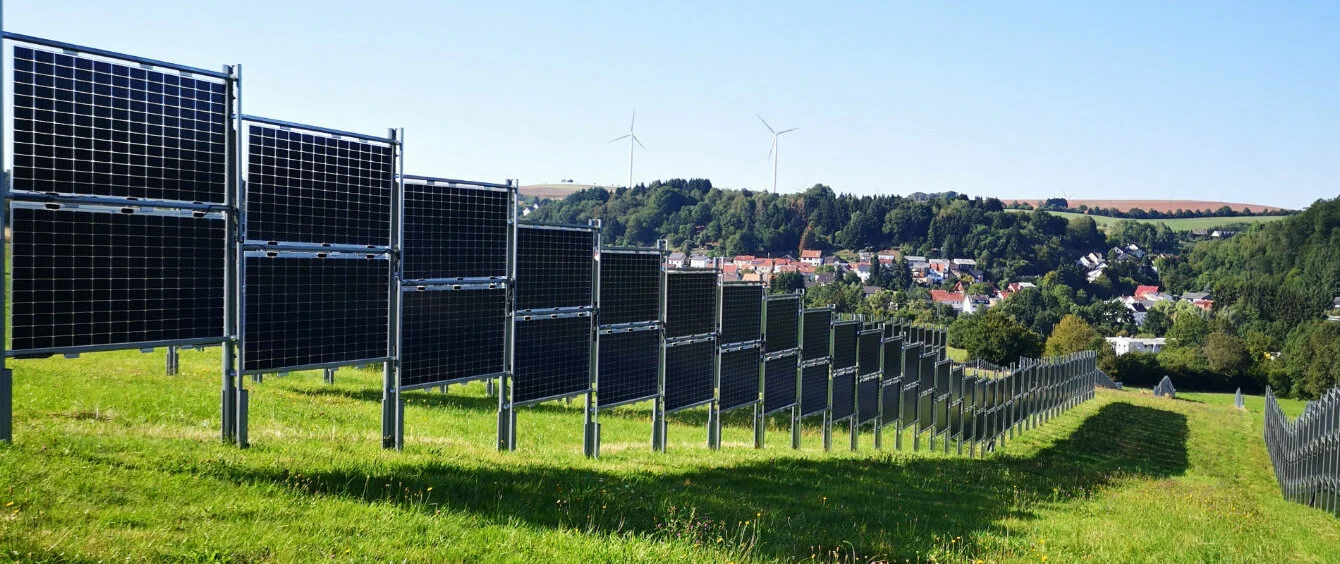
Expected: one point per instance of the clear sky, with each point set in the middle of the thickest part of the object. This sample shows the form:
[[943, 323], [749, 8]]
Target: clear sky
[[1216, 100]]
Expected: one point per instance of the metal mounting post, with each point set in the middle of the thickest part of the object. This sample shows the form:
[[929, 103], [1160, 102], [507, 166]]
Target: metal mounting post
[[855, 431], [172, 360], [795, 426], [760, 425], [6, 405], [828, 431]]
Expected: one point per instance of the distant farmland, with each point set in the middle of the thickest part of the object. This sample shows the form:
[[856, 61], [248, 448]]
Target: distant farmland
[[552, 191], [1156, 205], [1177, 224]]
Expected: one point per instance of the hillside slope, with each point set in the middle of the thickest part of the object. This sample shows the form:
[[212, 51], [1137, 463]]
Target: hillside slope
[[112, 460]]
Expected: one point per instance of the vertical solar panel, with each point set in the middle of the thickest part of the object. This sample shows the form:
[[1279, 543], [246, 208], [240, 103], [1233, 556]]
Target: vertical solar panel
[[305, 311], [844, 395], [816, 327], [691, 303], [941, 415], [893, 401], [867, 395], [98, 127], [741, 313], [689, 374], [927, 370], [844, 345], [739, 377], [554, 267], [813, 389], [85, 278], [552, 358], [629, 366], [942, 377], [630, 287], [868, 351], [317, 188], [907, 414], [454, 231], [779, 383], [912, 364], [892, 358], [451, 335], [926, 411], [783, 324]]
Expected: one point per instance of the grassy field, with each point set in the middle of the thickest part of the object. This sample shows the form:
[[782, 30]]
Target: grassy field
[[1180, 224], [114, 461]]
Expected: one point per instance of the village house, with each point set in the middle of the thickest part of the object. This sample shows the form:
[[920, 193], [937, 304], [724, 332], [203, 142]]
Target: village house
[[701, 261], [812, 257], [1123, 345], [675, 260]]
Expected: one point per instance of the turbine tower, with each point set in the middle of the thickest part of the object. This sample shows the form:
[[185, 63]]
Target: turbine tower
[[773, 152], [632, 139]]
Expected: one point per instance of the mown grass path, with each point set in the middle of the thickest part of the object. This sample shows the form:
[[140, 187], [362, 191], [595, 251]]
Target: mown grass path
[[112, 460]]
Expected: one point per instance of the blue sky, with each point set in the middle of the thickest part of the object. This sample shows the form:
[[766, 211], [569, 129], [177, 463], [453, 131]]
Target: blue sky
[[1217, 100]]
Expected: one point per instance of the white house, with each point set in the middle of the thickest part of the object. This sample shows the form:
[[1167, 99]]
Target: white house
[[675, 260], [812, 257], [1123, 345], [700, 261]]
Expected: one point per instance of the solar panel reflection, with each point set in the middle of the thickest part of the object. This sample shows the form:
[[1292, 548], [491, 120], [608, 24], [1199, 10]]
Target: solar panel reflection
[[779, 383], [739, 377]]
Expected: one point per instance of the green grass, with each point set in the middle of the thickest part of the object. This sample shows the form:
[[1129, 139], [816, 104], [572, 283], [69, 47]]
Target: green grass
[[113, 460], [1177, 224]]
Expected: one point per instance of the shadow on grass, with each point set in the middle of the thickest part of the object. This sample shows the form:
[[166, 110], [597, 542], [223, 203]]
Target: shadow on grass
[[785, 507]]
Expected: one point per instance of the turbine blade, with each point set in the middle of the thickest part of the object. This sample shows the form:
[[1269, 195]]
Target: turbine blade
[[621, 138], [788, 130], [632, 121], [773, 147], [765, 124], [638, 141]]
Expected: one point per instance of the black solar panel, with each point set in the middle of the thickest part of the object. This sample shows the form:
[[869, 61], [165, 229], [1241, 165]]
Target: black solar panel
[[85, 278], [813, 389], [956, 418], [892, 401], [912, 364], [816, 328], [844, 345], [314, 188], [892, 359], [739, 377], [629, 366], [553, 267], [691, 303], [552, 358], [302, 311], [451, 335], [783, 324], [867, 395], [942, 379], [779, 383], [741, 313], [454, 231], [911, 403], [94, 127], [956, 382], [941, 414], [630, 287], [688, 374], [925, 411], [927, 370], [844, 396], [868, 351]]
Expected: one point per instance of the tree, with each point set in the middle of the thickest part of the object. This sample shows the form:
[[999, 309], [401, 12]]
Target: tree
[[786, 282], [994, 337], [809, 240], [1227, 354], [1156, 322], [1072, 335], [1188, 329]]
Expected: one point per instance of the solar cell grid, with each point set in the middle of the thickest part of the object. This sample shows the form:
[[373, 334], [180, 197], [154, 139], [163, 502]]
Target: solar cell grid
[[552, 358], [97, 127], [925, 411], [688, 374], [629, 366], [691, 303], [844, 345], [741, 313], [305, 187], [908, 412], [454, 232], [868, 351], [844, 396], [867, 394], [813, 388], [451, 335], [783, 324], [892, 358], [553, 267], [82, 278], [630, 287], [816, 325], [739, 377], [892, 402], [779, 383], [301, 311]]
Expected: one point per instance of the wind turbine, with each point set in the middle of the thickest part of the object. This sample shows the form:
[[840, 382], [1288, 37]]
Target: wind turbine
[[773, 152], [632, 138]]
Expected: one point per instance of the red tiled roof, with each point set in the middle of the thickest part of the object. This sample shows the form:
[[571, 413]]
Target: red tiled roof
[[1142, 290], [945, 297], [811, 253]]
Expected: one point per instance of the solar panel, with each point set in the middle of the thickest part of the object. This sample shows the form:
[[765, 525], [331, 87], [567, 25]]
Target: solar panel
[[691, 303], [813, 389], [779, 383], [630, 287], [867, 394], [783, 323], [892, 357], [925, 411], [941, 414], [816, 328], [891, 390], [688, 374], [912, 364], [98, 127], [911, 395], [927, 370], [844, 396], [868, 351], [301, 311], [84, 278], [739, 377], [458, 231], [741, 312], [552, 358], [956, 382], [844, 345], [451, 335], [554, 267], [942, 377], [629, 366], [313, 187], [956, 418]]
